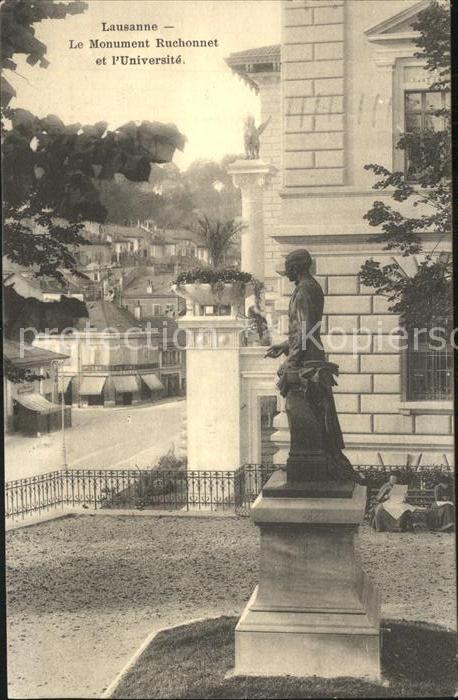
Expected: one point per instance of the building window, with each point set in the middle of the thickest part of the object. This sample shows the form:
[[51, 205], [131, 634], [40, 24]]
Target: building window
[[429, 369], [420, 110], [170, 357]]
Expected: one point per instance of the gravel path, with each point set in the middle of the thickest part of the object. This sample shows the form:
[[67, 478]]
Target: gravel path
[[84, 592]]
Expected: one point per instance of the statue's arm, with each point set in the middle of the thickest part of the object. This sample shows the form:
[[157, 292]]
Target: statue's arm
[[277, 350]]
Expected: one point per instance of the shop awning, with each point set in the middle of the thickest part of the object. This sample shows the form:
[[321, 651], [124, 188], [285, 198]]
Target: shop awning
[[92, 386], [125, 384], [153, 382], [62, 383], [37, 403]]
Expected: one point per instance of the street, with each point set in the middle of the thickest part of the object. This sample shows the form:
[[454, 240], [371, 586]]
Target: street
[[100, 438]]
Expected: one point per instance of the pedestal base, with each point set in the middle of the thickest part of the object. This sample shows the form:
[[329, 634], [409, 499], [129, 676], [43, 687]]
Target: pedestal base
[[314, 612]]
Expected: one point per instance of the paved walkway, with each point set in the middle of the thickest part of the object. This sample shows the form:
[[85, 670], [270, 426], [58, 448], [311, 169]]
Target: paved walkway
[[100, 438]]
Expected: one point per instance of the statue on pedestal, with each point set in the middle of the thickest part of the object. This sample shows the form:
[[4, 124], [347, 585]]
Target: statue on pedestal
[[314, 612], [306, 379], [251, 135]]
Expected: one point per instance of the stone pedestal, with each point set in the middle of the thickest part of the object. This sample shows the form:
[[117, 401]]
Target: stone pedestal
[[213, 391], [315, 612]]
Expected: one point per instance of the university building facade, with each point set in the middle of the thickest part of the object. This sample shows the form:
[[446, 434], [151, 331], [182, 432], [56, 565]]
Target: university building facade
[[341, 88]]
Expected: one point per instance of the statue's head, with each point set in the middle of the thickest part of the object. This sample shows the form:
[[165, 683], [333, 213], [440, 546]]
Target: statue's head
[[249, 120], [297, 263]]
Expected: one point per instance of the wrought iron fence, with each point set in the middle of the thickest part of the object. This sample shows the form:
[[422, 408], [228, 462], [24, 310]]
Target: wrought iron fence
[[36, 494], [175, 490]]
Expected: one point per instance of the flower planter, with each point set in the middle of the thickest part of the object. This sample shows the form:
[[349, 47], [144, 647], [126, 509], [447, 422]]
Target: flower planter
[[217, 295]]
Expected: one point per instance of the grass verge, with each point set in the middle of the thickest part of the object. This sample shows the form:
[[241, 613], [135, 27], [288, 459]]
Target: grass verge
[[191, 661]]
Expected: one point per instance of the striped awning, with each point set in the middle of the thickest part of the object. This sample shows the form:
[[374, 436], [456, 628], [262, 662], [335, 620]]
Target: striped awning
[[37, 403], [125, 383], [92, 386], [153, 382]]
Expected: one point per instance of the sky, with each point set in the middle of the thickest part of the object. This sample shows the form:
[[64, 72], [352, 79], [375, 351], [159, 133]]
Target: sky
[[206, 101]]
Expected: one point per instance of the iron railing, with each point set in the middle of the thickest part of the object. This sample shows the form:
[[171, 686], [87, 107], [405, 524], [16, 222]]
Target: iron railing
[[175, 490], [35, 494]]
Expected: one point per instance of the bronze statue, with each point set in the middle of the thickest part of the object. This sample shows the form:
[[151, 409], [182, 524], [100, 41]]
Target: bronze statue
[[306, 380], [251, 135]]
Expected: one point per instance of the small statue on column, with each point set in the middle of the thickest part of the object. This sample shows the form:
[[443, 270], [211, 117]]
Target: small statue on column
[[306, 380], [251, 135]]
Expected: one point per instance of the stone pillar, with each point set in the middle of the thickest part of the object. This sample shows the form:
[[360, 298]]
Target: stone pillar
[[109, 394], [281, 435], [251, 176], [182, 451], [213, 391]]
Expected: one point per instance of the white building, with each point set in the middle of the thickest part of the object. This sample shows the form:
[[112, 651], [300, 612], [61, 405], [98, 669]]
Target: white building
[[113, 360], [338, 91], [31, 406]]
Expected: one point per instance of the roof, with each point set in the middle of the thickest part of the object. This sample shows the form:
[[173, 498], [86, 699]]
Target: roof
[[104, 316], [398, 26], [118, 231], [175, 235], [27, 284], [261, 54], [26, 355], [139, 286], [257, 60]]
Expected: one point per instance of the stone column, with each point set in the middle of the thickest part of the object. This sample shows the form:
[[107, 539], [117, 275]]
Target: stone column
[[251, 176], [213, 391], [281, 435]]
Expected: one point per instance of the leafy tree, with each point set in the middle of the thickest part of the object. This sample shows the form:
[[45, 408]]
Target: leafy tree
[[212, 190], [17, 33], [49, 168], [49, 190], [127, 201], [424, 297], [173, 198]]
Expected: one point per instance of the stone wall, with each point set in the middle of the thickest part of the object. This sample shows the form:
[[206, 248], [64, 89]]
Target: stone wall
[[360, 336], [313, 93]]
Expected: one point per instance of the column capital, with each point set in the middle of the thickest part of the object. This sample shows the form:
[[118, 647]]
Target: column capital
[[212, 332], [249, 174]]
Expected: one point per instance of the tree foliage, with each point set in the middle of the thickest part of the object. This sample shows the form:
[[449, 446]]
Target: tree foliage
[[172, 198], [50, 169], [17, 33], [217, 236], [424, 297]]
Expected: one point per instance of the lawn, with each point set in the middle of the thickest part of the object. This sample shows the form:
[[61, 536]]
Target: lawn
[[191, 661], [84, 592]]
